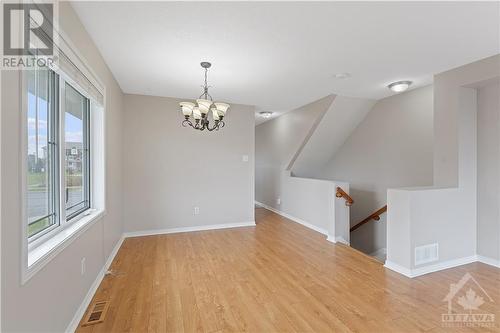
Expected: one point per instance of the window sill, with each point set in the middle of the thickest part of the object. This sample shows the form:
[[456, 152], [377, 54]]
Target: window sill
[[43, 253]]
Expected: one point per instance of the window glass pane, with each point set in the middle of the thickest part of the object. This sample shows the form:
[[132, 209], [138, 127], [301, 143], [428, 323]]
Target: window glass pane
[[41, 198], [76, 152]]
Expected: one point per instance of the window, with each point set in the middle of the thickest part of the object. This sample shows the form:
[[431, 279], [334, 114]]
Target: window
[[58, 156], [42, 192], [76, 148]]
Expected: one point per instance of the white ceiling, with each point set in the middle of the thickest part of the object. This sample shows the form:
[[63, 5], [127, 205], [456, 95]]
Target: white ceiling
[[282, 55]]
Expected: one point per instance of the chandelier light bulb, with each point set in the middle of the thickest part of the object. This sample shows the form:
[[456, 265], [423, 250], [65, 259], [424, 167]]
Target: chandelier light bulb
[[196, 113]]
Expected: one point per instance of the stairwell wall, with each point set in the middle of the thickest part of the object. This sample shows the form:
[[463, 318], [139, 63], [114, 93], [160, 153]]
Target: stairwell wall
[[391, 147]]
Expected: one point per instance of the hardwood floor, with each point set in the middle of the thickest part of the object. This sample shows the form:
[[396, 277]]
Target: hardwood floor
[[275, 277]]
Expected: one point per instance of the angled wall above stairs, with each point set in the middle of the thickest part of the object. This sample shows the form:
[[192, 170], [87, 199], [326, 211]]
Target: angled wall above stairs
[[341, 118]]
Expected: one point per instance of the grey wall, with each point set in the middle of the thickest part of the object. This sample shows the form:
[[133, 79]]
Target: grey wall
[[488, 171], [169, 169], [341, 118], [391, 147], [446, 214], [278, 142], [49, 300]]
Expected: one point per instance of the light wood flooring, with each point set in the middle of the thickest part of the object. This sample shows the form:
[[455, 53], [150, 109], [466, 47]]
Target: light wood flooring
[[276, 277]]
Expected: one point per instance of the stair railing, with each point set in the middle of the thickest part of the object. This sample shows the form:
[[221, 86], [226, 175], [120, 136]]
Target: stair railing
[[342, 194], [375, 216]]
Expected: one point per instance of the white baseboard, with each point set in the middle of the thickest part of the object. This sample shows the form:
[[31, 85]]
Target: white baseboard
[[73, 325], [188, 229], [488, 261], [294, 219], [411, 273], [338, 239], [398, 268]]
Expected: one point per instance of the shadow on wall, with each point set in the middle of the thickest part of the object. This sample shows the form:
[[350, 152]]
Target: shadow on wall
[[371, 236]]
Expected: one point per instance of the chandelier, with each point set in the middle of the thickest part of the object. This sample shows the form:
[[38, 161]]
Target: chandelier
[[196, 115]]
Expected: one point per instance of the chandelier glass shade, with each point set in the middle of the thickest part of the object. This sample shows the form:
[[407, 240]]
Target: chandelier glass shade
[[196, 115]]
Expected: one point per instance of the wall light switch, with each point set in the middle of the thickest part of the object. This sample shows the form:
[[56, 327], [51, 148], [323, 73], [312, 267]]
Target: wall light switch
[[196, 210], [83, 266], [278, 201], [245, 158]]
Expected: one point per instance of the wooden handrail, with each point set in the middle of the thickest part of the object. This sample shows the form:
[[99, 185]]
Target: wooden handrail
[[375, 216], [342, 194]]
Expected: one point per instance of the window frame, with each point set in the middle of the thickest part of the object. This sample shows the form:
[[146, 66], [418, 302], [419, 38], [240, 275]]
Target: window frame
[[63, 220], [52, 140], [38, 252], [86, 147]]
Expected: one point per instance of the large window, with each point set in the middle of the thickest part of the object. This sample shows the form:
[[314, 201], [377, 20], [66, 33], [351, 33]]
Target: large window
[[58, 156]]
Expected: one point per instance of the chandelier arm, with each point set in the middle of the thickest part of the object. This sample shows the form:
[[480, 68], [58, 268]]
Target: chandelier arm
[[187, 122], [214, 127]]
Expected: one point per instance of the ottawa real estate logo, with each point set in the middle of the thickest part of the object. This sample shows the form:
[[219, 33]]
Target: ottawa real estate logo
[[465, 299]]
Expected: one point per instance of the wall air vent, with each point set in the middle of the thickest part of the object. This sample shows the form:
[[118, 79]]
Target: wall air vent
[[426, 253], [96, 314]]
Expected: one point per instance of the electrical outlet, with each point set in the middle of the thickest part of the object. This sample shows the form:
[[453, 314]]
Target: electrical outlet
[[245, 158], [83, 268], [278, 201], [196, 210]]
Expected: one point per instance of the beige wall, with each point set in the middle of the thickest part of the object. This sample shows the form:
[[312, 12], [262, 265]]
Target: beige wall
[[169, 169], [391, 147], [488, 171], [49, 300]]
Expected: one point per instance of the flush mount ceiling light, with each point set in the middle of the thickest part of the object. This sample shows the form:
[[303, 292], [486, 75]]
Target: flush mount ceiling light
[[266, 114], [200, 111], [399, 86], [342, 75]]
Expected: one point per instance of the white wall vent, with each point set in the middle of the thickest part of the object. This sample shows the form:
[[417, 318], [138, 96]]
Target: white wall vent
[[426, 253]]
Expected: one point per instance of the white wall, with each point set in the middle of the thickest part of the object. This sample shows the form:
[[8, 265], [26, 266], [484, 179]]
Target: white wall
[[49, 300], [391, 147], [169, 169], [488, 171]]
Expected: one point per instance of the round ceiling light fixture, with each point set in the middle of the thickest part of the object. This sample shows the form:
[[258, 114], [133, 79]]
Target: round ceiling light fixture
[[266, 114], [342, 76], [399, 86]]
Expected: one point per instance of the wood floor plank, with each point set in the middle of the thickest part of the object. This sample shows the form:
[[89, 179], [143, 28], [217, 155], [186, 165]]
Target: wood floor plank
[[276, 277]]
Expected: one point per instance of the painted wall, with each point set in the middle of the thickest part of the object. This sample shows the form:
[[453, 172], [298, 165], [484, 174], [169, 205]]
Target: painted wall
[[169, 169], [50, 299], [391, 147], [278, 142], [341, 118], [488, 171], [447, 216]]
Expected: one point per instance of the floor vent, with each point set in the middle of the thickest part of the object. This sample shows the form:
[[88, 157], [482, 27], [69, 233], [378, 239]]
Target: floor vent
[[96, 314]]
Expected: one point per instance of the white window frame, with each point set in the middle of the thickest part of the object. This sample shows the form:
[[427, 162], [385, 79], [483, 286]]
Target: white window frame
[[38, 252]]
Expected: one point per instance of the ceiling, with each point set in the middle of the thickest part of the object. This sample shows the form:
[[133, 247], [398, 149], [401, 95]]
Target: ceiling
[[282, 55]]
